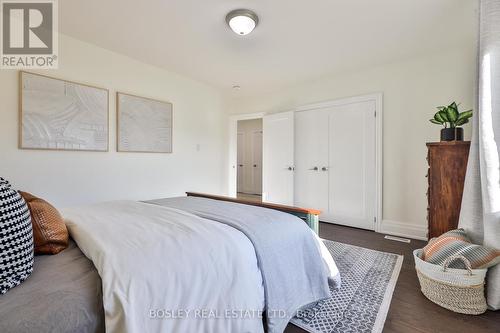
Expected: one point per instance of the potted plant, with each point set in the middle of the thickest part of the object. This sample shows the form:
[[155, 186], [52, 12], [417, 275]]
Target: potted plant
[[451, 119]]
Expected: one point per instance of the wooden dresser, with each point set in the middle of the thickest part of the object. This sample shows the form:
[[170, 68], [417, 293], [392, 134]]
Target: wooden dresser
[[446, 175]]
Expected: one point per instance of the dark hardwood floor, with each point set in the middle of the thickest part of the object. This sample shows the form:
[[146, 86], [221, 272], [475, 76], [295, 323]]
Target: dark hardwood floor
[[410, 311]]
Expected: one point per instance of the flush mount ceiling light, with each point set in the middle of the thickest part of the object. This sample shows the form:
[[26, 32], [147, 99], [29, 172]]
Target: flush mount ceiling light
[[242, 21]]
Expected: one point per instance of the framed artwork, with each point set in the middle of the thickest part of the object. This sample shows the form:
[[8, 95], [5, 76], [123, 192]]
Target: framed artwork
[[57, 114], [143, 124]]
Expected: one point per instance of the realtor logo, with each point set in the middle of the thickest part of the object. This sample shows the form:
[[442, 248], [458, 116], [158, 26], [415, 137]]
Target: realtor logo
[[29, 34]]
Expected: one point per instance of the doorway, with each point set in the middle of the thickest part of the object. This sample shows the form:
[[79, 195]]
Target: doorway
[[249, 159], [264, 171]]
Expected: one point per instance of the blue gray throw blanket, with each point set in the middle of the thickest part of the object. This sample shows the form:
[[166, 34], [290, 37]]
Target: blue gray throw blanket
[[289, 258]]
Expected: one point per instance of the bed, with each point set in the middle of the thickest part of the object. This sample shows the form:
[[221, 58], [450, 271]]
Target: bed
[[186, 264]]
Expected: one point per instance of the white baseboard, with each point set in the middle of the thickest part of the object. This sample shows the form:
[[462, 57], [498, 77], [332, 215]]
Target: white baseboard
[[395, 228]]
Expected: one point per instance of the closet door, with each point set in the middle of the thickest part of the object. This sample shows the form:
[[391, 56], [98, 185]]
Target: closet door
[[241, 161], [351, 166], [257, 162], [311, 153]]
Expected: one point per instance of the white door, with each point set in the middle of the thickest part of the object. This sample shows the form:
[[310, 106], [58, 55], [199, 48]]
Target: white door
[[257, 162], [311, 154], [240, 161], [278, 158], [351, 168]]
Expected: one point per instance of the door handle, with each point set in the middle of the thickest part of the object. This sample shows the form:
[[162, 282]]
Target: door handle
[[324, 169], [240, 165], [255, 165], [314, 169], [290, 168]]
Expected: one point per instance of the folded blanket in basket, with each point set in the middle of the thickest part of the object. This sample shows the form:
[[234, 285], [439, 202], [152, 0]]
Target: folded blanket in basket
[[456, 242]]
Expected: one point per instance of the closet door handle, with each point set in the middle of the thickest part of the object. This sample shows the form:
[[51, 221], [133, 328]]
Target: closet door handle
[[324, 169], [314, 169]]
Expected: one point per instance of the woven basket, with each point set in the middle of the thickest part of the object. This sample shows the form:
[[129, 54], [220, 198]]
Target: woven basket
[[458, 290]]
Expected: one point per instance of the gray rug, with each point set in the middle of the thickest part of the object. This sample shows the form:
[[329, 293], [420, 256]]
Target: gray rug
[[362, 302]]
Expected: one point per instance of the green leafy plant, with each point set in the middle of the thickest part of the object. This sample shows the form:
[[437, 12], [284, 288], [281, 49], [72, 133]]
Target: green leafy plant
[[449, 116]]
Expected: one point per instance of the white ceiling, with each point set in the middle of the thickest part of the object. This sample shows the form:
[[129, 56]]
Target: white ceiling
[[295, 41]]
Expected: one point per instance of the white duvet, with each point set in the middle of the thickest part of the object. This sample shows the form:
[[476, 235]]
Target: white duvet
[[165, 270]]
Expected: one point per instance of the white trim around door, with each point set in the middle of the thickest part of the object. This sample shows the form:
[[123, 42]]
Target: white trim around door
[[378, 113], [376, 97]]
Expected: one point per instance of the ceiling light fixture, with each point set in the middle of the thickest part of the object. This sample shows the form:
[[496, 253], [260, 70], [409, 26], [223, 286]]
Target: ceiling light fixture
[[242, 21]]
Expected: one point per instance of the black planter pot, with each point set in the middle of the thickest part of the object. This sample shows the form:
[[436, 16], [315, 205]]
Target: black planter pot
[[452, 134]]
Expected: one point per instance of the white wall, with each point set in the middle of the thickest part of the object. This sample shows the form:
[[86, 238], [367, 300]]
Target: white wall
[[69, 178], [248, 127], [412, 89]]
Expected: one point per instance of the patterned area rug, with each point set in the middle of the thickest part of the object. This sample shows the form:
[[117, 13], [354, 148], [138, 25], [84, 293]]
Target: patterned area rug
[[362, 302]]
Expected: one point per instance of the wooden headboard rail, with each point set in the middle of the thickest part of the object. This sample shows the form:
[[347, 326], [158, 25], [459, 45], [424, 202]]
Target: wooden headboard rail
[[290, 209]]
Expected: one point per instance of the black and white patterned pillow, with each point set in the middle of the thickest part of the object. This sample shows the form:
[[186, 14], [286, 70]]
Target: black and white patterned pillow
[[16, 238]]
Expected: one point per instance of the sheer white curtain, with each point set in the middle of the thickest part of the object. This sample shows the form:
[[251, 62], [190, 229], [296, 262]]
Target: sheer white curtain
[[480, 214]]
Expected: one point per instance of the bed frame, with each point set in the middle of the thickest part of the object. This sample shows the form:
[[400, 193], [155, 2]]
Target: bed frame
[[310, 216]]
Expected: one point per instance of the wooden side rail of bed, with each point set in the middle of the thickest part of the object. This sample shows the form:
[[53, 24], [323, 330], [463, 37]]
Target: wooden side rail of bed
[[310, 216]]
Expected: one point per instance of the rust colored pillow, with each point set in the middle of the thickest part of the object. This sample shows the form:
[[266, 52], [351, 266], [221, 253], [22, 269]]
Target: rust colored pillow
[[49, 231]]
